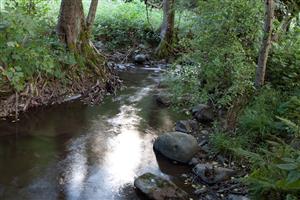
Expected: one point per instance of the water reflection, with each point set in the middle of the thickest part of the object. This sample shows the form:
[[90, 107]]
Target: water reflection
[[77, 169], [121, 151], [96, 152]]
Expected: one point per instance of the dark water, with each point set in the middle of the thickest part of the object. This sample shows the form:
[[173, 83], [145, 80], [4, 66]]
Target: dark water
[[74, 151]]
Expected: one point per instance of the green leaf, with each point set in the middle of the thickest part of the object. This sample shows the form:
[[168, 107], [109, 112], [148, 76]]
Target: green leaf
[[288, 166]]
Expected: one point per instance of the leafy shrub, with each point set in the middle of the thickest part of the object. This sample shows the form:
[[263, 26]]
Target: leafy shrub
[[222, 52], [276, 172], [291, 109], [258, 118], [283, 69], [224, 142], [26, 48], [124, 24], [33, 7]]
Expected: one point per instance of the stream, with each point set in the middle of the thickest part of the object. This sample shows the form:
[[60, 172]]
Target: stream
[[75, 151]]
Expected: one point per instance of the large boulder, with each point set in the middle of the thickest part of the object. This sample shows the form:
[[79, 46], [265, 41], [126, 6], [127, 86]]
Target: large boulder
[[211, 174], [177, 146], [203, 113], [157, 188]]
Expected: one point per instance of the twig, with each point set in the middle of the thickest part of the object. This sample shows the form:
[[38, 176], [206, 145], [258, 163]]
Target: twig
[[17, 104]]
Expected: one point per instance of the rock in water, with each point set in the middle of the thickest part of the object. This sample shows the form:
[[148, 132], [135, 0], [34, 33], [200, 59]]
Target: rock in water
[[237, 197], [211, 174], [140, 58], [186, 126], [158, 188], [203, 113], [177, 146]]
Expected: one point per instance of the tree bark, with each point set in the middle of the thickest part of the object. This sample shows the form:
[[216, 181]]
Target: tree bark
[[91, 15], [71, 22], [266, 44], [167, 29], [74, 30]]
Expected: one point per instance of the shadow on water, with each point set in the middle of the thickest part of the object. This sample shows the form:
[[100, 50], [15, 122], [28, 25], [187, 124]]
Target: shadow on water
[[74, 151]]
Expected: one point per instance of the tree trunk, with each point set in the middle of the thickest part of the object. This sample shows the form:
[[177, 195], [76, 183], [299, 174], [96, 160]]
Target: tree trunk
[[266, 44], [167, 29], [74, 31], [71, 23], [91, 15]]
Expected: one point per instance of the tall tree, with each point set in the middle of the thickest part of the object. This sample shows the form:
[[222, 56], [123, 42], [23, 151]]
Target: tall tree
[[71, 23], [74, 30], [266, 44], [91, 15], [167, 29]]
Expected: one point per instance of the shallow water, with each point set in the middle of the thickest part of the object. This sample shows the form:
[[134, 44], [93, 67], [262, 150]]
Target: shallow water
[[74, 151]]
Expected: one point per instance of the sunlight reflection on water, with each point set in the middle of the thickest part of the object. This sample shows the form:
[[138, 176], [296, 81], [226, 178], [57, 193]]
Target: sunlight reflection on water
[[123, 152]]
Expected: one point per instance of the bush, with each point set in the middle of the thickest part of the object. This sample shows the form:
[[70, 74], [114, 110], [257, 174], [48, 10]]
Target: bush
[[125, 24], [283, 69], [223, 50], [26, 48], [223, 143], [258, 118], [276, 172]]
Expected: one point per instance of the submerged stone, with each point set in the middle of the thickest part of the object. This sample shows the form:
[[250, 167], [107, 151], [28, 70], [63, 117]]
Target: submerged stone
[[157, 188]]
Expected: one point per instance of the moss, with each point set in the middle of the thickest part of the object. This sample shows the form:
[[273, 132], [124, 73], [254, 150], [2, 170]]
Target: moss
[[163, 50]]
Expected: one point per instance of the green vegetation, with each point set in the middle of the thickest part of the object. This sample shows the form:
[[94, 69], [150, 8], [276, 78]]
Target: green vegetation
[[28, 47], [126, 25], [219, 66]]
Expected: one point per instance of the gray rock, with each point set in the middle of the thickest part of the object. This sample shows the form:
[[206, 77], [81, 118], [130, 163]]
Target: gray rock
[[99, 45], [157, 188], [186, 126], [111, 64], [204, 132], [203, 113], [201, 191], [194, 161], [142, 46], [211, 174], [129, 65], [237, 197], [163, 99], [205, 147], [177, 146], [72, 98], [120, 66], [140, 58]]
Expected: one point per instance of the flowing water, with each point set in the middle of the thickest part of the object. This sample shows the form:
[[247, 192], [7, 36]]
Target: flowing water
[[74, 151]]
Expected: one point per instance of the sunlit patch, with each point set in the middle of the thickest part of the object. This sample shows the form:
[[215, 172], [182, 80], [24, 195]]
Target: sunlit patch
[[76, 169], [140, 94], [119, 153]]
